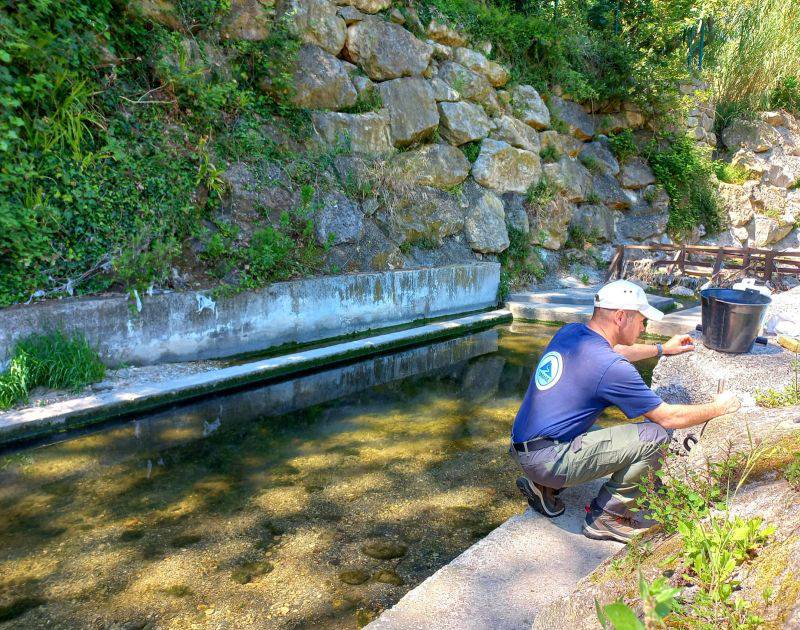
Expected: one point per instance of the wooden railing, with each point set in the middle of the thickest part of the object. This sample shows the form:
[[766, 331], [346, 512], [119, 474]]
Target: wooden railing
[[699, 260]]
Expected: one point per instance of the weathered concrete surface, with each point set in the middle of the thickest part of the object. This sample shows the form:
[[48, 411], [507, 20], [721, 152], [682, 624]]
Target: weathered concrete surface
[[501, 582], [676, 323], [190, 326], [565, 305], [17, 425]]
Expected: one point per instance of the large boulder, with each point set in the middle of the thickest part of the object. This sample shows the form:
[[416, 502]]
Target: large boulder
[[769, 230], [420, 213], [248, 19], [338, 220], [790, 139], [161, 11], [504, 168], [366, 133], [735, 201], [754, 135], [783, 171], [516, 133], [315, 22], [580, 124], [645, 219], [463, 122], [470, 85], [550, 222], [368, 6], [475, 61], [636, 173], [563, 143], [321, 81], [251, 192], [755, 164], [443, 34], [571, 177], [609, 191], [385, 50], [485, 221], [437, 165], [412, 109], [516, 212], [443, 92], [597, 153], [595, 220], [529, 107], [768, 198]]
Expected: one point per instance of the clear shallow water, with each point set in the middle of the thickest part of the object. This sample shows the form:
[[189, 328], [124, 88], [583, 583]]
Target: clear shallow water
[[312, 502]]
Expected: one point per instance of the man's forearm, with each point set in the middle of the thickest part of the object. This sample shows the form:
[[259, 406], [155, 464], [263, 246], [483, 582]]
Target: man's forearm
[[637, 351], [683, 416]]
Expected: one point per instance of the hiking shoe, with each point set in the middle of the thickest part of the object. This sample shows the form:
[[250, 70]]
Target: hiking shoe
[[541, 498], [602, 525]]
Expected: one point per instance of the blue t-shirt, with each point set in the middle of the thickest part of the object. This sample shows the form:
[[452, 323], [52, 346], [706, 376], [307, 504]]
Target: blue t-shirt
[[577, 377]]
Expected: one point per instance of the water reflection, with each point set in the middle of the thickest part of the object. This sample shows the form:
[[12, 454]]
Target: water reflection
[[312, 502]]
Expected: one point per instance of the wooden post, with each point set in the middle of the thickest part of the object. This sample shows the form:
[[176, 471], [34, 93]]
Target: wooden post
[[746, 261], [717, 265], [615, 266], [769, 264]]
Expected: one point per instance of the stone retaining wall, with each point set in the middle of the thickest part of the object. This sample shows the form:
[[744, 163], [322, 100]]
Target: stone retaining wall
[[191, 325]]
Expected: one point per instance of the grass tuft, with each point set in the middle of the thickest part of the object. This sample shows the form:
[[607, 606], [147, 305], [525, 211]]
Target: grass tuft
[[51, 360]]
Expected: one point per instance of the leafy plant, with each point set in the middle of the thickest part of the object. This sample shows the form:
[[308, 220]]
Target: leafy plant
[[792, 472], [658, 600], [786, 95], [471, 150], [52, 360], [730, 173], [542, 192], [549, 153], [622, 145], [520, 262], [684, 172]]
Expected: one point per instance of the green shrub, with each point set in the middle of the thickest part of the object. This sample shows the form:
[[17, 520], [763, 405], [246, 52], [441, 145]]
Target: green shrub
[[520, 263], [684, 172], [52, 360], [471, 150], [730, 173], [792, 472], [542, 192], [786, 95], [623, 145], [549, 154]]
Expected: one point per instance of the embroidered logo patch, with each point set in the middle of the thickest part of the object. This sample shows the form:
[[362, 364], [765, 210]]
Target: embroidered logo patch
[[548, 372]]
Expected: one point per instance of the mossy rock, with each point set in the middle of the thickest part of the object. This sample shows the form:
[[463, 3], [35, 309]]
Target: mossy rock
[[131, 534], [388, 576], [178, 590], [354, 576], [185, 540], [19, 607], [384, 550], [248, 572]]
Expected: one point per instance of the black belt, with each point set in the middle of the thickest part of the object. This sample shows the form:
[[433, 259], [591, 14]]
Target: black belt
[[533, 445]]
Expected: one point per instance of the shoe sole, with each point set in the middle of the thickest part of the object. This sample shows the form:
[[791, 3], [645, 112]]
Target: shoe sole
[[535, 498], [603, 534]]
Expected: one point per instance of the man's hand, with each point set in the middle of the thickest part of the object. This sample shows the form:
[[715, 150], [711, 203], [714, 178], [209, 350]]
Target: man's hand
[[727, 402], [678, 345]]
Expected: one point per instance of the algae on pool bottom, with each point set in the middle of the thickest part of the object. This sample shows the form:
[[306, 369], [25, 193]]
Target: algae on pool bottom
[[315, 501]]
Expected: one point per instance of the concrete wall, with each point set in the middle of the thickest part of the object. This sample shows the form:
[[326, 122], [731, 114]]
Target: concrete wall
[[187, 326]]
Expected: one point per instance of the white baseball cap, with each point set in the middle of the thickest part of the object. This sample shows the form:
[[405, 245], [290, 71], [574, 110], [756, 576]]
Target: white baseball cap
[[626, 296]]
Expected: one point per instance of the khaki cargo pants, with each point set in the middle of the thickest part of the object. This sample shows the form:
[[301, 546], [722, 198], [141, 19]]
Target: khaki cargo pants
[[627, 452]]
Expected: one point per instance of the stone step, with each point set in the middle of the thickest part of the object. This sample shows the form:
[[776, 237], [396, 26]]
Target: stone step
[[579, 296], [548, 312]]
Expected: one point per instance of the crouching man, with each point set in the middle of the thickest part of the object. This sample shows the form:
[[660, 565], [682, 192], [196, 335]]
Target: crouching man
[[584, 369]]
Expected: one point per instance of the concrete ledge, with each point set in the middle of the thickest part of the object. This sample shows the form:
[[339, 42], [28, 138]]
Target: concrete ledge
[[188, 326], [503, 581], [676, 323], [28, 423]]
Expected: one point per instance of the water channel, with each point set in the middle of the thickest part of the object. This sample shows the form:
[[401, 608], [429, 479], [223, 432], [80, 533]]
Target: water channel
[[313, 502]]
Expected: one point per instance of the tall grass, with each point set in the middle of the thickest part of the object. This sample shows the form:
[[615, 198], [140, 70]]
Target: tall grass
[[760, 48], [51, 360]]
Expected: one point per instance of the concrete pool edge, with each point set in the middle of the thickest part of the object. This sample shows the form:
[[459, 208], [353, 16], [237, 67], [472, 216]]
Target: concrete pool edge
[[26, 424]]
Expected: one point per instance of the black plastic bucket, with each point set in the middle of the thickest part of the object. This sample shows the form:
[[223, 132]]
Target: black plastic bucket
[[732, 318]]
